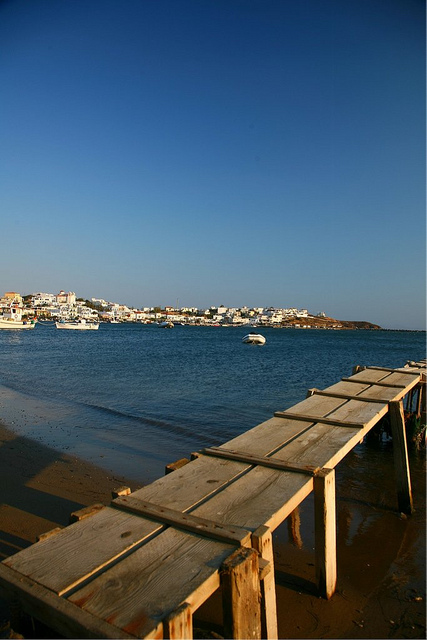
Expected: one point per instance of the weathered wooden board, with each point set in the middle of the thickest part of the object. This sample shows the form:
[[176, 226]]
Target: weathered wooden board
[[136, 594], [378, 391], [394, 378], [59, 614], [264, 461], [185, 521], [322, 445], [317, 406], [382, 394], [354, 411], [202, 478], [267, 437], [339, 409], [261, 497], [81, 549]]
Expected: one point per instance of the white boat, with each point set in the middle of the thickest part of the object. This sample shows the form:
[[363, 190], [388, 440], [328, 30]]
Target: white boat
[[166, 325], [253, 338], [12, 319], [80, 324]]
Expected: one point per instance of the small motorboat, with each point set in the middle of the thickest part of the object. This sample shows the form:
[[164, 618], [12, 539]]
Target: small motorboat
[[166, 325], [253, 338], [80, 324]]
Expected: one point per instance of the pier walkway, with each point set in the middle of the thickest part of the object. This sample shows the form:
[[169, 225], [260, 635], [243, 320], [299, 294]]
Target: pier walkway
[[143, 565]]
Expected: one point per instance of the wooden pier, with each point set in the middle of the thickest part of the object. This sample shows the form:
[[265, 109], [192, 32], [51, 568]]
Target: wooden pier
[[142, 566]]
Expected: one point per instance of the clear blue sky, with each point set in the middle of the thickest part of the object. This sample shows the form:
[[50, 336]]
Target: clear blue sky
[[236, 152]]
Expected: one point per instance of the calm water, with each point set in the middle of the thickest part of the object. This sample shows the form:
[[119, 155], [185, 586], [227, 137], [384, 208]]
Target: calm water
[[134, 397]]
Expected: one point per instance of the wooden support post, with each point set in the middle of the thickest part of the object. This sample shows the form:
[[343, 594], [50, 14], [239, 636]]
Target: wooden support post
[[423, 397], [179, 624], [263, 543], [325, 532], [294, 528], [401, 462], [419, 400], [241, 595], [409, 401], [356, 369]]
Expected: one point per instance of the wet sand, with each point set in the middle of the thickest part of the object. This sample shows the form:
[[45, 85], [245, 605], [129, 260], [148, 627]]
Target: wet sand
[[381, 554]]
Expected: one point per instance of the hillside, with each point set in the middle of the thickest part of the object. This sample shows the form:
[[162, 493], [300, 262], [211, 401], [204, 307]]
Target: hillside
[[330, 323]]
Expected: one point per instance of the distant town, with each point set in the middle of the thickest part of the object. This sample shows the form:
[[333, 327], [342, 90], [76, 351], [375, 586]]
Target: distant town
[[67, 306]]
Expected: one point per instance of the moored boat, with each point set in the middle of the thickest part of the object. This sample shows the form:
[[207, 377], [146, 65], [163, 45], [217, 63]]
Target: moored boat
[[80, 324], [166, 325], [11, 323], [12, 317], [253, 338]]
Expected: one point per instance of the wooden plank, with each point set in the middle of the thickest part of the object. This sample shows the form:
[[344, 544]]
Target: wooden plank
[[325, 532], [324, 420], [179, 624], [121, 491], [174, 466], [367, 413], [86, 512], [346, 396], [48, 534], [378, 383], [261, 497], [376, 376], [58, 562], [401, 461], [316, 406], [59, 614], [267, 437], [241, 595], [263, 544], [272, 463], [411, 373], [186, 521], [202, 478], [324, 445], [366, 390], [138, 593]]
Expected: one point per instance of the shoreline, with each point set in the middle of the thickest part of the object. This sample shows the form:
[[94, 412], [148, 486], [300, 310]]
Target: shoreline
[[381, 582]]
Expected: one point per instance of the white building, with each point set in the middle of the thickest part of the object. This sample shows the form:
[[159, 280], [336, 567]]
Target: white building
[[39, 299], [66, 298]]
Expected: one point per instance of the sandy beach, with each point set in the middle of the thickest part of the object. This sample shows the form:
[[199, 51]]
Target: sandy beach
[[381, 576]]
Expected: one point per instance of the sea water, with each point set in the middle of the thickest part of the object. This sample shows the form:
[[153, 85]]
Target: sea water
[[133, 397]]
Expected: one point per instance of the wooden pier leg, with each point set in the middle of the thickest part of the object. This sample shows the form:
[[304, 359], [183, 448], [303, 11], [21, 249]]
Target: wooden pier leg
[[294, 528], [400, 452], [263, 543], [409, 400], [419, 399], [179, 624], [423, 397], [241, 595], [325, 532]]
